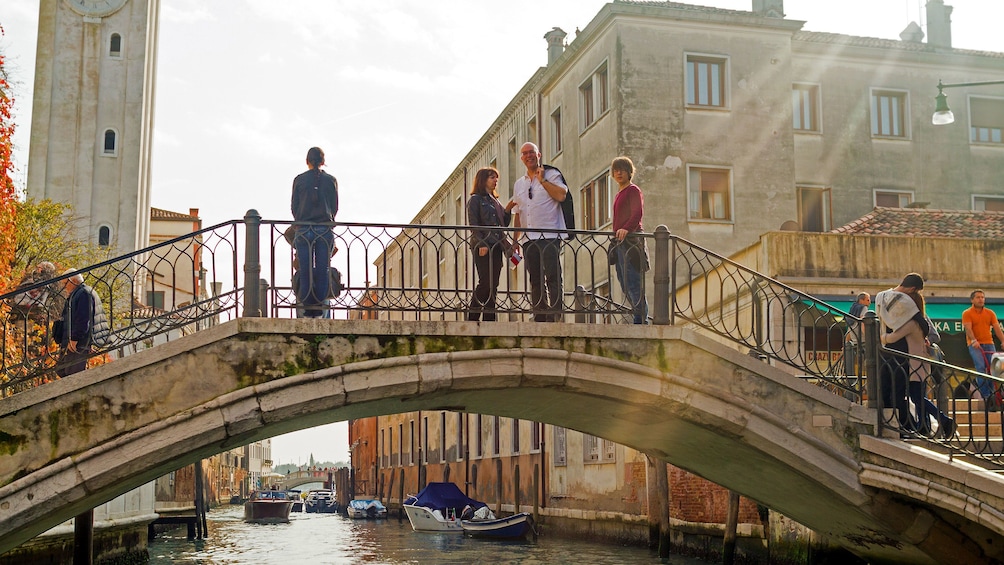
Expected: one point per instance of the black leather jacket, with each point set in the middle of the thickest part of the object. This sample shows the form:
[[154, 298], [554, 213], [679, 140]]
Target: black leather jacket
[[481, 211]]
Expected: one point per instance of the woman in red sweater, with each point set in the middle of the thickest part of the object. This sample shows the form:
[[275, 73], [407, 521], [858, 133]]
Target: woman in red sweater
[[628, 253]]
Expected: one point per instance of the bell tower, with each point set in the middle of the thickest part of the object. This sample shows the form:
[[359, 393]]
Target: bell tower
[[92, 115]]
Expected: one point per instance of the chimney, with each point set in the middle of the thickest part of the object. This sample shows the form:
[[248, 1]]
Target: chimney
[[555, 44], [769, 8], [939, 24], [912, 33]]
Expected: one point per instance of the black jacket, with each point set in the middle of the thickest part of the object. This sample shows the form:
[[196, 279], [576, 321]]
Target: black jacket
[[315, 197], [481, 211], [83, 320]]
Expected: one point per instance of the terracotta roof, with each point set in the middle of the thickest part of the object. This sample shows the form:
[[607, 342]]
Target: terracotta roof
[[916, 222], [876, 43], [158, 214]]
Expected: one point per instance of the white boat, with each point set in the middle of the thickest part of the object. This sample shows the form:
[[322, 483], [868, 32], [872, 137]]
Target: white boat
[[438, 508], [321, 501], [366, 508]]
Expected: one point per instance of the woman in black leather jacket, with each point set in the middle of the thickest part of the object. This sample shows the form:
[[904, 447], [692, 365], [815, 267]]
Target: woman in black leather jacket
[[484, 209]]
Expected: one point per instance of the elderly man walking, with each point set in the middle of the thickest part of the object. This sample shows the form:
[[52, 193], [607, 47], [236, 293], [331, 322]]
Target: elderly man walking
[[82, 325]]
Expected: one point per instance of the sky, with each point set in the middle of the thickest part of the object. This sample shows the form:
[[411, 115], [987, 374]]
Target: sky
[[396, 92]]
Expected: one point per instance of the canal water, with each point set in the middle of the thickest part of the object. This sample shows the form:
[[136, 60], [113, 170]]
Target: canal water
[[322, 539]]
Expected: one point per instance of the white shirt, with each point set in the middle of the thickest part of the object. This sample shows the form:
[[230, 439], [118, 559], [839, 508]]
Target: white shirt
[[541, 211]]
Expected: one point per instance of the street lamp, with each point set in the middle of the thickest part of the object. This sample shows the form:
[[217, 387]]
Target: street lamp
[[942, 114]]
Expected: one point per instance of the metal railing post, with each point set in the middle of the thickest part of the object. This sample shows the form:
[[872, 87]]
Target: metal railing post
[[580, 304], [263, 297], [872, 344], [661, 277], [252, 265]]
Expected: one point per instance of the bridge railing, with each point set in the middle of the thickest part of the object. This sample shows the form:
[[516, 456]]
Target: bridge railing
[[166, 290], [425, 272]]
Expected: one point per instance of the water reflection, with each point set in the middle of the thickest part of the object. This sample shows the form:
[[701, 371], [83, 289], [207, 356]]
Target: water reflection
[[334, 539]]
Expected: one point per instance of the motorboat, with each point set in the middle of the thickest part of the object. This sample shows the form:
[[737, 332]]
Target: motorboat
[[366, 508], [294, 495], [510, 527], [438, 508], [267, 507], [321, 502]]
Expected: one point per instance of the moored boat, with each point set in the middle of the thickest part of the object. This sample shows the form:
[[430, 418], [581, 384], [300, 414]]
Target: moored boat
[[438, 507], [267, 507], [510, 527], [366, 508]]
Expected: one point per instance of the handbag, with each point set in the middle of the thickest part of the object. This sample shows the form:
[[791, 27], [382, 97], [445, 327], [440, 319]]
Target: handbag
[[335, 287]]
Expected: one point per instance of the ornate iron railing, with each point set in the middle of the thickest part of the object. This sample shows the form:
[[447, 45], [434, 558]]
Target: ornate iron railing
[[427, 272]]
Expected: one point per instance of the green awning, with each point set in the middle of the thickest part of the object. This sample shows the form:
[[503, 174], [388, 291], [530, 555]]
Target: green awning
[[946, 315]]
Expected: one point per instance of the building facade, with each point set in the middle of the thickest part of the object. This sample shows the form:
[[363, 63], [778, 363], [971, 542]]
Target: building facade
[[739, 122]]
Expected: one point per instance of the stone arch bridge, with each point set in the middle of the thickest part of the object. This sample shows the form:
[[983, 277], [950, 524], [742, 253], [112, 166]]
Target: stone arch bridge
[[663, 390]]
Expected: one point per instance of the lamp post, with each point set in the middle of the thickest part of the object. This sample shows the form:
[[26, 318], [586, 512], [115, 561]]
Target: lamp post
[[942, 114]]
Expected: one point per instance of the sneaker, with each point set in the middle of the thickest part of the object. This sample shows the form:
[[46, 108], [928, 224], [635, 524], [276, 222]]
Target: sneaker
[[948, 428]]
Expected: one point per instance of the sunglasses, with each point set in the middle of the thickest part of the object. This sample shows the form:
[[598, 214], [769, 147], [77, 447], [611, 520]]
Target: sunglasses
[[530, 192]]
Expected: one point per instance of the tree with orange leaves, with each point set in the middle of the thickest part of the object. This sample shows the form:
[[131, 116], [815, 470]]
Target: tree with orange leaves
[[8, 197]]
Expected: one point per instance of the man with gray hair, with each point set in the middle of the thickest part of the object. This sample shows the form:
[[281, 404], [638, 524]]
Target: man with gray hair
[[82, 325]]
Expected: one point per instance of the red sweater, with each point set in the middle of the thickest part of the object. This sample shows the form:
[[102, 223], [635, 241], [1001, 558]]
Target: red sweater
[[628, 208]]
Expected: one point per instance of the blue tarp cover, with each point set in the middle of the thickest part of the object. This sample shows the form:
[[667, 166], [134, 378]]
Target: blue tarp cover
[[440, 496]]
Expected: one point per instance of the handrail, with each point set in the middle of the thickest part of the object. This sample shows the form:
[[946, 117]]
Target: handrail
[[424, 272]]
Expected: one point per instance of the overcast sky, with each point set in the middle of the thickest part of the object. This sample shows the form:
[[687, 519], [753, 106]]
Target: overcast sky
[[395, 91]]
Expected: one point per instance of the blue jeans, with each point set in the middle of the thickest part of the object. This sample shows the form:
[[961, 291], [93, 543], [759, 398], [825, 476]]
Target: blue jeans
[[313, 251], [981, 362], [632, 281]]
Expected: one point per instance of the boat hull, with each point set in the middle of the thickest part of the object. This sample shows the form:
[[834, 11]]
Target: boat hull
[[511, 527], [424, 520], [267, 511]]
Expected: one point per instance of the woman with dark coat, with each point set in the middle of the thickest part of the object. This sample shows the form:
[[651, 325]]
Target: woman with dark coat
[[315, 200], [485, 210]]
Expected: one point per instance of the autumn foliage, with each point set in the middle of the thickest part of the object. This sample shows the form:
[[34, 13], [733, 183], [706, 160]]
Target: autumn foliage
[[7, 193]]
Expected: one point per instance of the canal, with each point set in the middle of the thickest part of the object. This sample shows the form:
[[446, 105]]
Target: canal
[[335, 539]]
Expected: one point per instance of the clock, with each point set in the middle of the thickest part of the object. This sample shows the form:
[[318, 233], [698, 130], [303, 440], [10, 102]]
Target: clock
[[95, 8]]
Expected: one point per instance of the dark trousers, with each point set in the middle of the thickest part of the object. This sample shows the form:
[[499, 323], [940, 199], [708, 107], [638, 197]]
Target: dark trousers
[[893, 376], [72, 363], [543, 265], [489, 270], [313, 251]]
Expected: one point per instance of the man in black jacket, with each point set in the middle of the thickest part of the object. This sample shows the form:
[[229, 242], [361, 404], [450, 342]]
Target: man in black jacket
[[83, 325]]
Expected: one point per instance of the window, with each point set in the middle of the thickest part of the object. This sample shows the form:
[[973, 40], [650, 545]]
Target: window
[[115, 45], [893, 198], [480, 442], [155, 298], [710, 193], [597, 204], [496, 435], [805, 107], [460, 436], [383, 448], [535, 433], [598, 450], [594, 97], [442, 436], [988, 203], [110, 148], [560, 452], [104, 236], [814, 209], [531, 128], [411, 442], [556, 132], [889, 113], [515, 435], [706, 80], [400, 443], [987, 118]]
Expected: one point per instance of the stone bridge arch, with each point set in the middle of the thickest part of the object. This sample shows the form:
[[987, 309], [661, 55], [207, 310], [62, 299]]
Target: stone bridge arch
[[665, 391]]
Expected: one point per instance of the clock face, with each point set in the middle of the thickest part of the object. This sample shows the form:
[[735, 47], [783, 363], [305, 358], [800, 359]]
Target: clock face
[[95, 8]]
